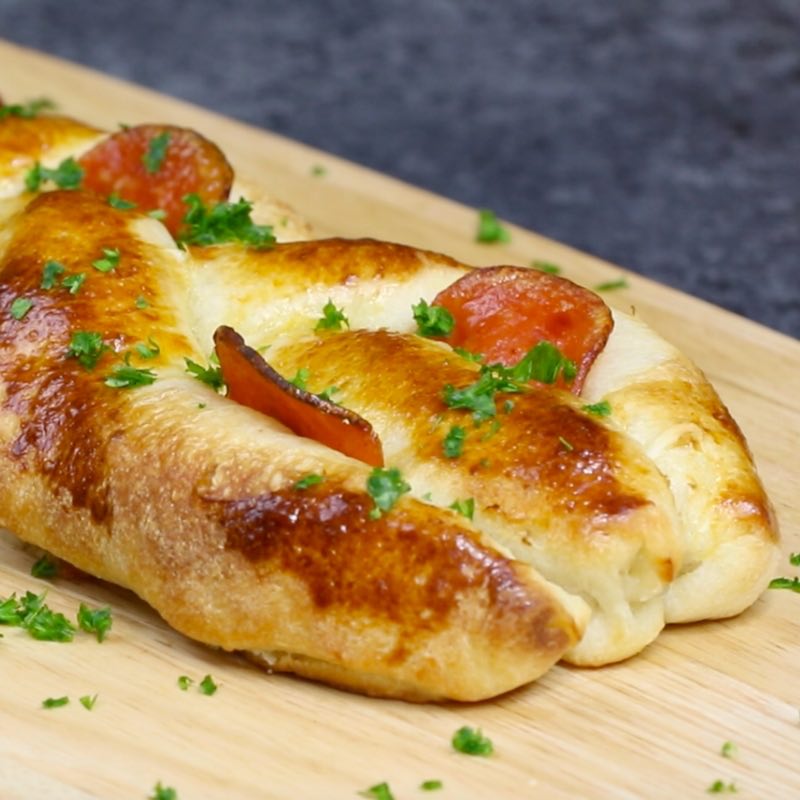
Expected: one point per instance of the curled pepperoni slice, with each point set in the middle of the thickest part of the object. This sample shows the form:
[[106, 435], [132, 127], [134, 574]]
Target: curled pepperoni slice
[[254, 383], [155, 166], [502, 312]]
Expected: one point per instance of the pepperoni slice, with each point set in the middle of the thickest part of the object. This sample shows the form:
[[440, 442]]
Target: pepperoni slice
[[154, 166], [254, 383], [502, 312]]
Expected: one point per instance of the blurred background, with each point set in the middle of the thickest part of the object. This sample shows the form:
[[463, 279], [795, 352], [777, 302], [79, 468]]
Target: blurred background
[[662, 135]]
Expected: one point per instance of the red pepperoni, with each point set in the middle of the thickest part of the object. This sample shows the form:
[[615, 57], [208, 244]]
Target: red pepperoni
[[190, 164], [254, 383], [502, 312]]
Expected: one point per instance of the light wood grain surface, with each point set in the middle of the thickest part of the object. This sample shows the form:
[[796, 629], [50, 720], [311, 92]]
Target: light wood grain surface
[[648, 728]]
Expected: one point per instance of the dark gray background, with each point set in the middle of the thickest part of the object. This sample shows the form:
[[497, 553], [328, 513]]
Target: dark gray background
[[663, 135]]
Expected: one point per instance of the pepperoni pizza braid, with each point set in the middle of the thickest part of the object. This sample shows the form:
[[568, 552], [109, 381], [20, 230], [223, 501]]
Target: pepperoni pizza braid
[[403, 517]]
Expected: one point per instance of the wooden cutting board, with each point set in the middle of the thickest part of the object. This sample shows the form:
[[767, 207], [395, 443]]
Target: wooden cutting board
[[648, 728]]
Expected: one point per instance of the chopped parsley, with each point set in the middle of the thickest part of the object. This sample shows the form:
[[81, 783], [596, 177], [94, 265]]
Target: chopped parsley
[[609, 286], [184, 682], [792, 584], [300, 379], [96, 621], [44, 567], [544, 363], [490, 229], [328, 392], [729, 750], [207, 686], [115, 201], [161, 792], [125, 376], [55, 702], [153, 159], [142, 302], [318, 171], [50, 272], [720, 787], [432, 320], [546, 266], [225, 222], [308, 481], [385, 487], [476, 358], [601, 409], [31, 614], [794, 559], [109, 261], [88, 701], [26, 110], [67, 175], [211, 375], [478, 397], [73, 282], [332, 319], [472, 742], [431, 786], [20, 306], [87, 347], [380, 791], [453, 442], [465, 507], [148, 349], [157, 213]]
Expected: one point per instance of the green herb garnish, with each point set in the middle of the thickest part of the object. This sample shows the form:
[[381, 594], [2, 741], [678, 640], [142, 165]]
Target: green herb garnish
[[601, 409], [385, 487], [609, 286], [546, 266], [157, 213], [476, 358], [20, 306], [148, 349], [792, 584], [317, 170], [225, 222], [300, 379], [142, 302], [115, 201], [720, 787], [44, 567], [207, 686], [465, 507], [26, 110], [794, 559], [161, 792], [125, 376], [31, 614], [88, 701], [156, 152], [55, 702], [544, 363], [432, 320], [308, 481], [490, 229], [380, 791], [472, 742], [67, 175], [73, 282], [87, 347], [96, 621], [431, 786], [212, 376], [332, 319], [729, 750], [184, 682], [51, 271], [109, 261], [453, 442]]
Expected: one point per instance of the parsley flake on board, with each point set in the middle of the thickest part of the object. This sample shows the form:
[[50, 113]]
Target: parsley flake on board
[[207, 686], [88, 701], [73, 282], [792, 584], [332, 319], [212, 376], [115, 201], [153, 159], [729, 750], [453, 442], [610, 286], [87, 347], [26, 110], [55, 702], [432, 320], [546, 266], [601, 409], [109, 261], [490, 229], [31, 614], [318, 170], [184, 682], [308, 481], [50, 272], [44, 567], [385, 487], [794, 559], [124, 376], [465, 507], [67, 175], [20, 306], [380, 791], [720, 787], [161, 792], [225, 222], [431, 786], [96, 621], [472, 742]]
